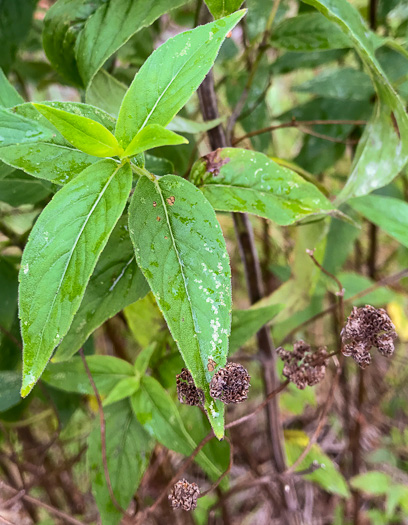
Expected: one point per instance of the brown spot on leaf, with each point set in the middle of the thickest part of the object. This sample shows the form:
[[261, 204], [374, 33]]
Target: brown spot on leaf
[[214, 163], [395, 125], [211, 365], [229, 34], [154, 204], [158, 218], [165, 237], [171, 200]]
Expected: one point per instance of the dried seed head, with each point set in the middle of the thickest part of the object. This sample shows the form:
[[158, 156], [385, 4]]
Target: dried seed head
[[302, 366], [187, 392], [367, 327], [230, 384], [184, 495]]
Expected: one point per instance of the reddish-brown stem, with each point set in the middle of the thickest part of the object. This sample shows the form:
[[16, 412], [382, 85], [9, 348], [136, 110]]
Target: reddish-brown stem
[[103, 434], [300, 124], [150, 510], [39, 503], [224, 474]]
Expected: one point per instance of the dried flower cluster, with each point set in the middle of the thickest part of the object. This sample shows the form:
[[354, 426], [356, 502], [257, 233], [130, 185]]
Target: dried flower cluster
[[187, 392], [184, 495], [367, 327], [302, 366], [230, 384]]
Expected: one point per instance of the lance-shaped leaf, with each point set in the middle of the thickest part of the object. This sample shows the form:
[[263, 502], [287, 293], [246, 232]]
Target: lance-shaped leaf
[[128, 448], [235, 179], [85, 134], [180, 249], [115, 283], [99, 40], [18, 129], [220, 8], [8, 95], [153, 136], [388, 213], [383, 149], [309, 32], [158, 414], [107, 371], [44, 160], [77, 39], [170, 76], [60, 256]]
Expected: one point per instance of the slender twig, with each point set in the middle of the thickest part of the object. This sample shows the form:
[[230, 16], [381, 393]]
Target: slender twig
[[184, 465], [224, 474], [103, 435], [39, 503], [263, 46], [340, 293], [298, 124], [4, 520], [382, 282], [320, 425], [10, 336], [268, 398]]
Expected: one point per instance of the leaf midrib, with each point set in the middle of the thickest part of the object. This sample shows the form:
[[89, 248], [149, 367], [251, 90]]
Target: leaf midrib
[[197, 331], [70, 257], [170, 83]]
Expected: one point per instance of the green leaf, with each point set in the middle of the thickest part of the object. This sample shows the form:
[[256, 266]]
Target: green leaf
[[144, 319], [125, 388], [62, 23], [18, 188], [240, 180], [309, 32], [355, 283], [116, 283], [327, 476], [153, 136], [183, 62], [390, 214], [99, 39], [17, 129], [85, 134], [184, 125], [15, 23], [383, 150], [106, 92], [246, 323], [128, 449], [220, 8], [181, 251], [64, 245], [344, 83], [374, 483], [157, 413], [53, 162], [293, 60], [10, 383], [8, 95], [71, 376], [143, 359]]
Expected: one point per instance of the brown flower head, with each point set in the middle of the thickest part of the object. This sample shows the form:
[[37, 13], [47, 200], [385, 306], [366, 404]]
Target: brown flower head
[[367, 327], [302, 366], [230, 384], [184, 495], [187, 392]]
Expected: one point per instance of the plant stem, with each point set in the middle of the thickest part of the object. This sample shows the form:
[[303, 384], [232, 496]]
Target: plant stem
[[103, 434], [247, 248]]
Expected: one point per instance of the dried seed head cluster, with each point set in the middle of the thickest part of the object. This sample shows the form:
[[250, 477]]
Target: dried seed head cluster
[[184, 495], [367, 327], [187, 392], [230, 384], [302, 366]]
